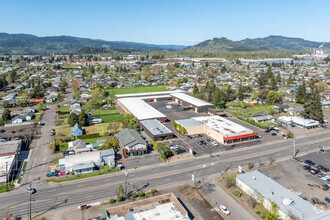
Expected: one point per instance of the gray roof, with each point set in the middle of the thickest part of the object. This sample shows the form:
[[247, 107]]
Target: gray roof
[[263, 117], [129, 137], [189, 122], [9, 146], [269, 189], [155, 127], [75, 127], [107, 152], [78, 144], [83, 165]]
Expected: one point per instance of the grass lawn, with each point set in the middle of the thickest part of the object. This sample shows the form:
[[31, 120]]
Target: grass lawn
[[105, 112], [138, 89], [103, 170], [3, 188], [63, 147], [112, 118], [93, 140], [61, 122], [23, 169], [64, 108], [64, 116], [238, 109], [97, 128]]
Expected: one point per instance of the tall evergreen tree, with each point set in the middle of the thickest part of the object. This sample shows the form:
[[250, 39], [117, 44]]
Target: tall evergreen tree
[[82, 118], [313, 106], [73, 119], [301, 93], [290, 80], [230, 93], [269, 72], [262, 80], [273, 83], [240, 93], [278, 77], [195, 90], [219, 98]]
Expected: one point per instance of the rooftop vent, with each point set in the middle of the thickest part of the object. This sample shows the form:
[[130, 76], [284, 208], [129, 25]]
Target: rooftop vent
[[253, 178]]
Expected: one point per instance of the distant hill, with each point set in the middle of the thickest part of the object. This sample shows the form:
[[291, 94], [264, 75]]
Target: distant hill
[[31, 44], [270, 43]]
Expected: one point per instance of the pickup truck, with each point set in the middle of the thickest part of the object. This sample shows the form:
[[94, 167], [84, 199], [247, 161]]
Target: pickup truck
[[51, 174]]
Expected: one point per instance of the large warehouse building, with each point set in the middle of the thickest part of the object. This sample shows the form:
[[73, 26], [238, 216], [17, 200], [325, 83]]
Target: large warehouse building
[[218, 128], [137, 104]]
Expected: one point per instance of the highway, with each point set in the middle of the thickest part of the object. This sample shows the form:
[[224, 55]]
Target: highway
[[100, 188]]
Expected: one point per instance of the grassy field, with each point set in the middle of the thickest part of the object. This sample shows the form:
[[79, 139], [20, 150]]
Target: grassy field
[[3, 188], [105, 112], [97, 128], [61, 122], [112, 118], [244, 109], [103, 170], [64, 108], [64, 116], [93, 140], [138, 89]]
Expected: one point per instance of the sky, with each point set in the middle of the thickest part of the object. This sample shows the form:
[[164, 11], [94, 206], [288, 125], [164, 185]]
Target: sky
[[179, 22]]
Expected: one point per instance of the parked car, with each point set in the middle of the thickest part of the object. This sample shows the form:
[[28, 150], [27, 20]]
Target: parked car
[[178, 151], [214, 143], [2, 130], [208, 140], [51, 174], [174, 146], [31, 190], [201, 142], [307, 167], [274, 134], [13, 132], [314, 171], [224, 210], [62, 173], [42, 123], [309, 162], [267, 131], [327, 199]]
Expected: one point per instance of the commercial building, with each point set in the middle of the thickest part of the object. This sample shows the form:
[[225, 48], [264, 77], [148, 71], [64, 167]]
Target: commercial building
[[299, 121], [160, 207], [156, 130], [290, 205], [218, 128], [9, 151], [131, 142], [187, 100], [82, 163]]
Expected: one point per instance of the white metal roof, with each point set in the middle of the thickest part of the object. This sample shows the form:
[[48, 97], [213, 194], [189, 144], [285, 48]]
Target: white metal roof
[[145, 94], [192, 100], [155, 127], [299, 120], [140, 109], [223, 125], [269, 189]]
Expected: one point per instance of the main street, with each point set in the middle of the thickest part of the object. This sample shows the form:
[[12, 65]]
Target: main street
[[53, 196]]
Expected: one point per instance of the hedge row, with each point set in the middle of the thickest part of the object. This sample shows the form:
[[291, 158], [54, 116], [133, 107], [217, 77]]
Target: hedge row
[[85, 136]]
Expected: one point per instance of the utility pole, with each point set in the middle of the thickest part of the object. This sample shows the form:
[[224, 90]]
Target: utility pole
[[126, 174], [30, 204], [6, 176], [294, 148]]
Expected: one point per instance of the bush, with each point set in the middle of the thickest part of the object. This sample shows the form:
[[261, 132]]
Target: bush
[[153, 191], [134, 195], [141, 194], [121, 198], [237, 193], [88, 136], [112, 200], [290, 134]]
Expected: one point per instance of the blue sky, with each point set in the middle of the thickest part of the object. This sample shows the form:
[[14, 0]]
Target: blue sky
[[185, 22]]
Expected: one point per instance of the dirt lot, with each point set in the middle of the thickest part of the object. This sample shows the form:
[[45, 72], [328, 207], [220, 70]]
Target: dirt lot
[[291, 175]]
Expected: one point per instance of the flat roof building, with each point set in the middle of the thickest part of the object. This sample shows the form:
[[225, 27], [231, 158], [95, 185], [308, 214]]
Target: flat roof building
[[156, 130], [264, 189], [218, 128], [160, 207], [197, 104], [9, 158], [299, 121]]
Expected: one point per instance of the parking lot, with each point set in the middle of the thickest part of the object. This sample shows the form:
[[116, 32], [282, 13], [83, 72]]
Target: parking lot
[[292, 175], [14, 131], [176, 112]]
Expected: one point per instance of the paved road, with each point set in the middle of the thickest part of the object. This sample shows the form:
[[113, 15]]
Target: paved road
[[217, 195], [40, 154], [159, 175]]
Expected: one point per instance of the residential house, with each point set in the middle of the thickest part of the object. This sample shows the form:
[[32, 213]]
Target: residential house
[[18, 119], [76, 130], [108, 156], [281, 106], [77, 144], [131, 142], [263, 118]]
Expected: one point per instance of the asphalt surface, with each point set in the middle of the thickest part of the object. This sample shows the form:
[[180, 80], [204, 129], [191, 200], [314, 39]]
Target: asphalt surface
[[53, 196]]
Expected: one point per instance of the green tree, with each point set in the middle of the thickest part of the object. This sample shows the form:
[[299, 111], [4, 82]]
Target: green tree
[[195, 90], [230, 93], [262, 80], [301, 93], [312, 105], [271, 213], [82, 118], [73, 119], [219, 98], [274, 97], [97, 97], [278, 77], [41, 106], [240, 92], [120, 193], [273, 83], [6, 115], [290, 80], [269, 72]]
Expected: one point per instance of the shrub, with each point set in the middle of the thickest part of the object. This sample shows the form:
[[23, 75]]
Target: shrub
[[112, 200], [141, 194], [153, 191], [121, 198], [237, 193], [134, 195], [88, 136]]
